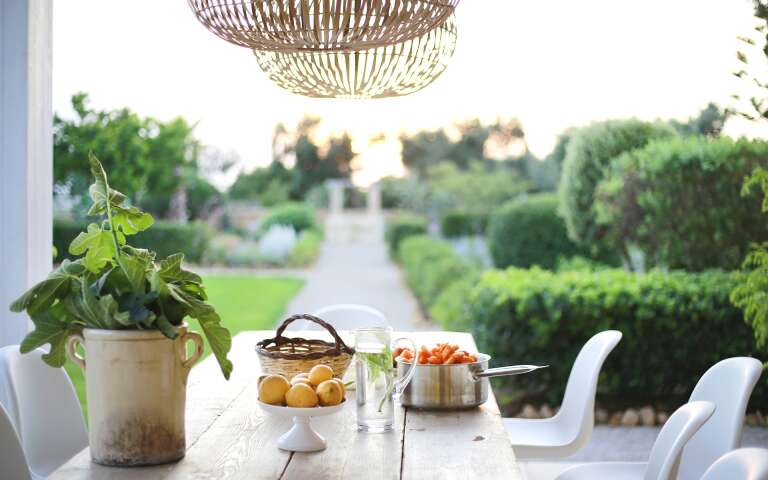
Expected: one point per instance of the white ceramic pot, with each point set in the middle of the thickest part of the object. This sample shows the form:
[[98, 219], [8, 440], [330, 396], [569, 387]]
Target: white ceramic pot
[[136, 384]]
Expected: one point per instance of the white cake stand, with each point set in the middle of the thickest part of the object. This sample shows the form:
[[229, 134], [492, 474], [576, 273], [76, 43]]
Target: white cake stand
[[301, 437]]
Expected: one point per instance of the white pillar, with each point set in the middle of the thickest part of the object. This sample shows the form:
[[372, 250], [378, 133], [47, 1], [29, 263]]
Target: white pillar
[[26, 155], [374, 199], [336, 196]]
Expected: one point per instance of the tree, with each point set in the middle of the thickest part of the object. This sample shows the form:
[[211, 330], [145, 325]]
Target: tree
[[709, 122], [678, 201], [267, 185], [475, 142], [751, 294], [753, 105], [589, 155], [145, 156]]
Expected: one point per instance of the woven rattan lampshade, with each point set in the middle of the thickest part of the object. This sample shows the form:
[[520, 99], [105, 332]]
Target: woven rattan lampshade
[[392, 71], [320, 25]]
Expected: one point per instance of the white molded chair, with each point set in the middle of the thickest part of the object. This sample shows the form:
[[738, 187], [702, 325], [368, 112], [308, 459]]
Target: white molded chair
[[347, 316], [12, 460], [665, 454], [742, 464], [728, 384], [571, 429], [42, 405]]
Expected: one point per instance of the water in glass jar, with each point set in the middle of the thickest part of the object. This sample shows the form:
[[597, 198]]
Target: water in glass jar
[[375, 383]]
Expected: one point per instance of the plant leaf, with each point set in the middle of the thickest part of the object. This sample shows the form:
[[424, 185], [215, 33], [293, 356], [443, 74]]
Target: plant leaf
[[49, 329], [136, 263], [43, 294], [99, 207], [98, 246], [131, 221], [218, 338], [171, 271]]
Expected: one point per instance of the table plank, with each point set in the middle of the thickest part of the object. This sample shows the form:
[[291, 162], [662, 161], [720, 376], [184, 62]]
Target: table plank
[[229, 437], [350, 454]]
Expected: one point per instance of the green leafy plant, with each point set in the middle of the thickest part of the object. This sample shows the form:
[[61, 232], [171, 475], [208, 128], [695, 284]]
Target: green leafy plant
[[115, 286], [751, 294]]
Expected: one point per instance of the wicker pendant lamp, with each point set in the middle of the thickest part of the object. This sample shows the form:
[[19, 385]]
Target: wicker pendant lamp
[[320, 25], [392, 71]]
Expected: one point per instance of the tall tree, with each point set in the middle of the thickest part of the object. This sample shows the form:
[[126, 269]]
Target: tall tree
[[146, 157], [751, 102]]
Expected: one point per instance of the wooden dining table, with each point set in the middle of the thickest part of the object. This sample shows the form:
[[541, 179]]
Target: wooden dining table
[[230, 437]]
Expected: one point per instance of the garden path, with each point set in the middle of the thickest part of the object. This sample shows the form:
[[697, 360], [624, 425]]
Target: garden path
[[354, 267]]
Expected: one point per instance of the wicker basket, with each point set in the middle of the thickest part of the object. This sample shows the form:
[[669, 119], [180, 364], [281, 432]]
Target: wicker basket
[[291, 356]]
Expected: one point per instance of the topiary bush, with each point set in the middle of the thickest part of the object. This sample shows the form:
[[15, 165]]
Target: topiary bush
[[401, 227], [431, 266], [529, 232], [300, 216], [462, 224], [675, 325], [588, 157], [165, 238], [679, 201]]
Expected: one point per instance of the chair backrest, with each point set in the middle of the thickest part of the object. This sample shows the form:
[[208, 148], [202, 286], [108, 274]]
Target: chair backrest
[[577, 413], [728, 384], [346, 316], [742, 464], [43, 406], [679, 429], [12, 460]]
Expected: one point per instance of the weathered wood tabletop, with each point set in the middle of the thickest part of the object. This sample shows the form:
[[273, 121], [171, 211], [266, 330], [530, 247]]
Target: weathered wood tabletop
[[230, 437]]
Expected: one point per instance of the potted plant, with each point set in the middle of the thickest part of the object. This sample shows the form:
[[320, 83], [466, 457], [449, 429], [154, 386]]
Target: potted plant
[[127, 311]]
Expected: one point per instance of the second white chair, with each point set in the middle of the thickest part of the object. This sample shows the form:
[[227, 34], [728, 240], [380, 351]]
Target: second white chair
[[41, 403], [571, 429], [347, 316], [742, 464], [12, 459], [665, 454]]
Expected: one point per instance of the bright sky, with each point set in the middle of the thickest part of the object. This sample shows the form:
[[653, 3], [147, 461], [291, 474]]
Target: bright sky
[[551, 64]]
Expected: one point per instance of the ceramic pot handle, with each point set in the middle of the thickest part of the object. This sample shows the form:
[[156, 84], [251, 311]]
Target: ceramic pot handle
[[198, 341], [72, 343]]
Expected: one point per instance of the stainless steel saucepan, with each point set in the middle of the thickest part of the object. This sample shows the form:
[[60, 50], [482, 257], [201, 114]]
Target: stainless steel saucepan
[[457, 386]]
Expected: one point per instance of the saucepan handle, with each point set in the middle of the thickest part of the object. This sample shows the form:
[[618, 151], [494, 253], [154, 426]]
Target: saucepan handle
[[504, 371]]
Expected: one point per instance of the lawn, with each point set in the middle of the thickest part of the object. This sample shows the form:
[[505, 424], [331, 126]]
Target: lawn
[[244, 303]]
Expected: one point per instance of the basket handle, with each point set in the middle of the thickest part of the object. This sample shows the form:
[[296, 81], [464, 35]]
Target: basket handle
[[340, 345]]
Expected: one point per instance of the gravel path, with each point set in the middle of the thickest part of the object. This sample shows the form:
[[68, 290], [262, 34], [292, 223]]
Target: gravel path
[[354, 267]]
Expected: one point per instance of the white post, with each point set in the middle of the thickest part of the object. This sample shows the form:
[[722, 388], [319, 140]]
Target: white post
[[374, 199], [336, 196], [26, 155]]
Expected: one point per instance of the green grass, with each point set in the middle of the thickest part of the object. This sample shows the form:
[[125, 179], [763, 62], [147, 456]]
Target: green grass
[[244, 303]]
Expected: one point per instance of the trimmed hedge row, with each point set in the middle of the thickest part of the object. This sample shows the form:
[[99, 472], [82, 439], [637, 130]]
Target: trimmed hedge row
[[399, 228], [462, 224], [675, 325], [431, 266], [165, 238], [529, 232], [301, 216]]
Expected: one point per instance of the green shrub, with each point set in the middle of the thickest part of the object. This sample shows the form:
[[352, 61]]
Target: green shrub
[[589, 154], [165, 238], [430, 267], [306, 249], [679, 201], [402, 227], [675, 326], [300, 216], [462, 224], [529, 232]]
